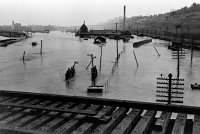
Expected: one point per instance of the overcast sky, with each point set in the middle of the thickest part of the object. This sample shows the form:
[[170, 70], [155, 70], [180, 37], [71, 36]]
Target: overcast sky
[[74, 12]]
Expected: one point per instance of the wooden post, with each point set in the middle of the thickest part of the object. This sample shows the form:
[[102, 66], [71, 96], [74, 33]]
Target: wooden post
[[169, 92], [88, 65], [157, 51], [92, 57], [23, 55], [192, 50], [135, 58], [178, 66], [117, 42], [117, 51], [92, 60], [41, 48], [100, 58]]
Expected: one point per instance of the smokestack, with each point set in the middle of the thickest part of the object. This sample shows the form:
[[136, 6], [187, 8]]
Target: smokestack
[[124, 18]]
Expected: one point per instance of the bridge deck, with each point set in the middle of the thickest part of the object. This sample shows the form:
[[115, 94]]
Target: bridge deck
[[34, 113]]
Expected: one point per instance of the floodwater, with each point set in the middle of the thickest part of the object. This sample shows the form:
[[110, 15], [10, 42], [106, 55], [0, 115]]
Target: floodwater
[[46, 73]]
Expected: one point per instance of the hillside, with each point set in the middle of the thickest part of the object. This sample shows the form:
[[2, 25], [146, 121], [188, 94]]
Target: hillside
[[184, 21]]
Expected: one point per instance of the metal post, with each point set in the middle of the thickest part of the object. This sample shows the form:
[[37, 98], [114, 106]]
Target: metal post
[[169, 92]]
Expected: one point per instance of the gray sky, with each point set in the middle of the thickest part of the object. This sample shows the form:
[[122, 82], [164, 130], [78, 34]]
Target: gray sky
[[74, 12]]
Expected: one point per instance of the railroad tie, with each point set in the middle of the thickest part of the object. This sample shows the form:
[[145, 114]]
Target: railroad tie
[[117, 116], [88, 126], [144, 123], [72, 124], [128, 122], [179, 124]]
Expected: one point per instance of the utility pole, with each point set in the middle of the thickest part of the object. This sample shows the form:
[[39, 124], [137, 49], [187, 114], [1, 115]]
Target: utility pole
[[179, 54], [170, 88], [168, 91]]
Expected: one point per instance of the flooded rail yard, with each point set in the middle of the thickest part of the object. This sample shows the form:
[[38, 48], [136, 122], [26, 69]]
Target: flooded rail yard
[[45, 73]]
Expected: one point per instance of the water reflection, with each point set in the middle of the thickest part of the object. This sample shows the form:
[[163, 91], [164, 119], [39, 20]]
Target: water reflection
[[24, 65]]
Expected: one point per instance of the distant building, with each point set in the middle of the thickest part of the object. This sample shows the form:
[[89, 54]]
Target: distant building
[[13, 23], [16, 26], [83, 29], [104, 32]]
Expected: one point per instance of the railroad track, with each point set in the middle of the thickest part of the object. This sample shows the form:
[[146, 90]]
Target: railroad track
[[35, 113]]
